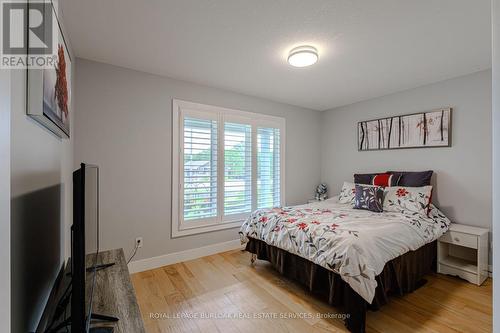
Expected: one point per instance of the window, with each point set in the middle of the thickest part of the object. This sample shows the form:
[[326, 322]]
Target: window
[[237, 168], [200, 168], [226, 163], [268, 167]]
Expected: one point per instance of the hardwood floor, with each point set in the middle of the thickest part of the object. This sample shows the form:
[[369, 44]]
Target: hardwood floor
[[258, 299]]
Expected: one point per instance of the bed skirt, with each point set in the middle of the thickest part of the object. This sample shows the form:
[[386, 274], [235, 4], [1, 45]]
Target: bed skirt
[[401, 275]]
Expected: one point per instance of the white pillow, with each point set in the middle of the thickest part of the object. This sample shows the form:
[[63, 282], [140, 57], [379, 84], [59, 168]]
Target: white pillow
[[404, 199], [347, 193]]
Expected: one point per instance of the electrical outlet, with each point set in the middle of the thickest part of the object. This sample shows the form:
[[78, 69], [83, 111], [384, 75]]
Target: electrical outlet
[[139, 242]]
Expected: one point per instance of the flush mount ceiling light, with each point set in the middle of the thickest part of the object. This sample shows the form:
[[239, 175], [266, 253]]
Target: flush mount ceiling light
[[303, 56]]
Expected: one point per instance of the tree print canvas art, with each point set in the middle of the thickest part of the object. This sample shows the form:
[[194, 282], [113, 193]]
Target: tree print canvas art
[[420, 130]]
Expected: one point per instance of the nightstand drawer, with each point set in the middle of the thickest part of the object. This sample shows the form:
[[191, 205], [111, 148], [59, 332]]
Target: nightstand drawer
[[458, 238]]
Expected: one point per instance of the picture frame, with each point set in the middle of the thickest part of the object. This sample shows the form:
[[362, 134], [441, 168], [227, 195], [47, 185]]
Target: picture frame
[[49, 90], [430, 129]]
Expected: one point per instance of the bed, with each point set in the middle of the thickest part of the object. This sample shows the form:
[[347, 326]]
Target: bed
[[352, 258]]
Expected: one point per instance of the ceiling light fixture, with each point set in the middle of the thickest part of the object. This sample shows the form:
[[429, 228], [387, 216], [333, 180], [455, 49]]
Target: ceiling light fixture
[[303, 56]]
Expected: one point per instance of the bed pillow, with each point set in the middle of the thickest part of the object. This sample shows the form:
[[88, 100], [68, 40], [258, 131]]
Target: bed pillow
[[405, 199], [413, 178], [369, 198], [364, 178], [347, 193], [385, 179]]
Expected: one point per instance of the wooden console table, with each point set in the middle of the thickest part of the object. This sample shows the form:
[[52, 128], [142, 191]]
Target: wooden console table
[[113, 296]]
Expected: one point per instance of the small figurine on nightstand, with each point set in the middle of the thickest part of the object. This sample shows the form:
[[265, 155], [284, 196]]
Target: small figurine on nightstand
[[321, 192]]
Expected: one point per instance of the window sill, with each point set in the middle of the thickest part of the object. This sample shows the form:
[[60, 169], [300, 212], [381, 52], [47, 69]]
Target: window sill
[[180, 231]]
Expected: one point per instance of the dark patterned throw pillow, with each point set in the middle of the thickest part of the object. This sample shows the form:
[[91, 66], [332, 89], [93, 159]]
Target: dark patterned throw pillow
[[412, 178], [364, 178], [369, 198]]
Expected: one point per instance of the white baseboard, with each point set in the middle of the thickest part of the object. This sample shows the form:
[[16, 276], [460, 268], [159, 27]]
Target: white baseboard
[[173, 258]]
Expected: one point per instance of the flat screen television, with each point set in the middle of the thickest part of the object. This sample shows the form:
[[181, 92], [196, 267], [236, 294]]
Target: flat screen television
[[85, 245], [79, 288]]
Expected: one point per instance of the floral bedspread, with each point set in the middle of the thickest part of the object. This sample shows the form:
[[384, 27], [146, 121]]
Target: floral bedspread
[[356, 244]]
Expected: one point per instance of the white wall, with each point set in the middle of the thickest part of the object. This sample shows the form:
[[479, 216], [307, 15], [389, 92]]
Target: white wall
[[124, 124], [41, 191], [41, 207], [463, 172], [41, 195], [5, 200], [496, 161]]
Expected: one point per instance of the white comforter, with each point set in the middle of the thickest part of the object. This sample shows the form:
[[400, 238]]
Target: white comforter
[[354, 243]]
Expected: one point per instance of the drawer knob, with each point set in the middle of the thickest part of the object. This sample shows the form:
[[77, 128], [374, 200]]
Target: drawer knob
[[456, 239]]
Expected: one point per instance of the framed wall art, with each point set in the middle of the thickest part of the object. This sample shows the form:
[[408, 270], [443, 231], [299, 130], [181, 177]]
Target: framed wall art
[[49, 88], [417, 130]]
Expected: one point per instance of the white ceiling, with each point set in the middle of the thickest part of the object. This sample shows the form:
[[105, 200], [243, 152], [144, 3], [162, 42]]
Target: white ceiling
[[367, 48]]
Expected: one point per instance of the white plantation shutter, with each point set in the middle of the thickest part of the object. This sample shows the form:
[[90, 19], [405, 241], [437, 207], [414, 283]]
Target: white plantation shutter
[[200, 168], [226, 164], [268, 167], [237, 168]]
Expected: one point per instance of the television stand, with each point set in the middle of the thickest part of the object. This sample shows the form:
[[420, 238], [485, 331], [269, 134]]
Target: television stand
[[113, 294]]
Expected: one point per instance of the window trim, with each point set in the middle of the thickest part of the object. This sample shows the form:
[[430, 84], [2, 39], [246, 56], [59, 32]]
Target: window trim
[[181, 108]]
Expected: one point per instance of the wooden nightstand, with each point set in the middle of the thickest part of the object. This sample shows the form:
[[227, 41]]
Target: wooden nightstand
[[463, 252]]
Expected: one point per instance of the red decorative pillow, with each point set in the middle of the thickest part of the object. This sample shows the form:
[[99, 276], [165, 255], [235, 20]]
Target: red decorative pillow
[[383, 180]]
